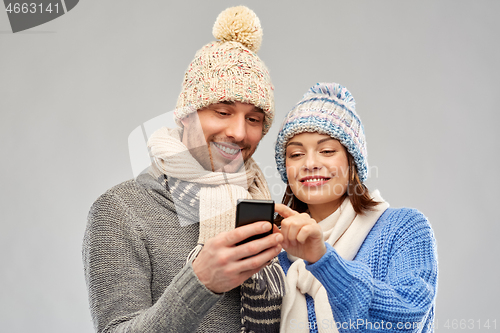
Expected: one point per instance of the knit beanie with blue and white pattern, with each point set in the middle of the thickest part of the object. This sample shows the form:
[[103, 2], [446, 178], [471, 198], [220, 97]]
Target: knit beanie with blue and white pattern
[[326, 108]]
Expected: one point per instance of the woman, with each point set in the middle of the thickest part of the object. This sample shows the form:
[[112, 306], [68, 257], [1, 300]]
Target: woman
[[351, 263]]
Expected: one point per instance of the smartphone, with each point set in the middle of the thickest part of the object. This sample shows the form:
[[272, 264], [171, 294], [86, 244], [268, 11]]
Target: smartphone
[[252, 210]]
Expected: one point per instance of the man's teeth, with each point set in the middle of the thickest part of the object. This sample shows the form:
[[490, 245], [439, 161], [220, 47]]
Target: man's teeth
[[314, 180], [227, 149]]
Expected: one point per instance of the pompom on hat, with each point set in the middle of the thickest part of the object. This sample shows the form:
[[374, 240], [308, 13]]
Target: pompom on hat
[[326, 108], [229, 69]]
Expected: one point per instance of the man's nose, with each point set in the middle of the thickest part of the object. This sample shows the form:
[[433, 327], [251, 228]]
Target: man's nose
[[236, 128]]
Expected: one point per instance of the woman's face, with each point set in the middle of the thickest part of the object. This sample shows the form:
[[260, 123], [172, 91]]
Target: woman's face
[[317, 169]]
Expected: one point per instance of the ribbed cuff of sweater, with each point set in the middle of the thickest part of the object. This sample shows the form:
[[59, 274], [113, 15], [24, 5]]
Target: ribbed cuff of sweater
[[197, 298]]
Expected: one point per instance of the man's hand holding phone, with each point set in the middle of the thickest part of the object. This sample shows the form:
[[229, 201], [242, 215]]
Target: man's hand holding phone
[[228, 259]]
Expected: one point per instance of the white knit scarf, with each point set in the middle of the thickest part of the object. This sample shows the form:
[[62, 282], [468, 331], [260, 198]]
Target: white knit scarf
[[218, 194], [219, 191], [346, 232]]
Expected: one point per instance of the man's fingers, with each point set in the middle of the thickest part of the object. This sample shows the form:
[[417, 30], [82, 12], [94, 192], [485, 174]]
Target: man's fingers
[[252, 265], [284, 210], [258, 246], [241, 233]]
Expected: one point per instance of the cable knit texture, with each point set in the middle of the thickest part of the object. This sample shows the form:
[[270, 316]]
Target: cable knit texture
[[138, 284], [391, 284]]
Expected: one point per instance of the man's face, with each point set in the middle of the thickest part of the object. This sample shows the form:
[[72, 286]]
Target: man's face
[[222, 136]]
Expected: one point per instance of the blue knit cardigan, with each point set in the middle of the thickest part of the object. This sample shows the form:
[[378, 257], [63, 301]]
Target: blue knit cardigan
[[391, 284]]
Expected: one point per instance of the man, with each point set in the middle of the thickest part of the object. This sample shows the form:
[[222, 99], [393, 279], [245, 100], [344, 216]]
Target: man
[[159, 251]]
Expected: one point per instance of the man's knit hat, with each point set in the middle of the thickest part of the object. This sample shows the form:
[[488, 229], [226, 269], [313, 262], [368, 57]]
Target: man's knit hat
[[229, 69], [326, 108]]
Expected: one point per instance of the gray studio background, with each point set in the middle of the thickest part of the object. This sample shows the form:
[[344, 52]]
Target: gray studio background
[[425, 76]]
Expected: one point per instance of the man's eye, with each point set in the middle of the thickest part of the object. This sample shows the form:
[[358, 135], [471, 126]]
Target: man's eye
[[222, 113], [254, 120]]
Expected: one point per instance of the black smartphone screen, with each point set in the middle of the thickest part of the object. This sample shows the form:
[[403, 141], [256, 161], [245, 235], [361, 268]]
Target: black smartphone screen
[[252, 210]]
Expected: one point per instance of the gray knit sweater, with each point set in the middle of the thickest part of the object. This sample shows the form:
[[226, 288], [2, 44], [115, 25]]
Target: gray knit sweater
[[134, 254]]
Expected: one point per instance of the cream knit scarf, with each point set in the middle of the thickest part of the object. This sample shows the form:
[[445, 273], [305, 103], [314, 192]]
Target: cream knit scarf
[[218, 194], [219, 191], [346, 232]]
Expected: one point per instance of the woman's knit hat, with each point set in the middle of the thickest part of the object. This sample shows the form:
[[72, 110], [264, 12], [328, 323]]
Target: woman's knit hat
[[229, 69], [326, 108]]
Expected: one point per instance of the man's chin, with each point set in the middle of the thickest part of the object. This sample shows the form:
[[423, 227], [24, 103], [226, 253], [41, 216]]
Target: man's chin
[[223, 164], [228, 167]]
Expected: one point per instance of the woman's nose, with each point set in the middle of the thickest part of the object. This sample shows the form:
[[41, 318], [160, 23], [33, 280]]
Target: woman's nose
[[311, 163]]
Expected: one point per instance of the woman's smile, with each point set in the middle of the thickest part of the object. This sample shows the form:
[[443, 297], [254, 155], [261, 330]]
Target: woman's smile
[[312, 181]]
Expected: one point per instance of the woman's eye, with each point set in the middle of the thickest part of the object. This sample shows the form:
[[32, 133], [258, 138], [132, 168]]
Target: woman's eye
[[328, 151], [294, 155]]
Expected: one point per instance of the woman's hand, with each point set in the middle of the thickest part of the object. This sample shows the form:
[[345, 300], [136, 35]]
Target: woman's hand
[[302, 235]]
